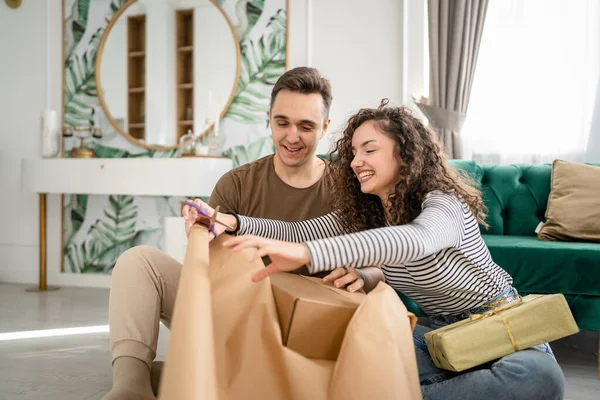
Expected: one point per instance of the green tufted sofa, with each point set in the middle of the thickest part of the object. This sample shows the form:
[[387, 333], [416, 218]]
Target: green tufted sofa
[[516, 197]]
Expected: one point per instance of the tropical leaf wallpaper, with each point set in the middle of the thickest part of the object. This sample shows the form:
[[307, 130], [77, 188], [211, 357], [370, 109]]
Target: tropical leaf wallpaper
[[97, 229]]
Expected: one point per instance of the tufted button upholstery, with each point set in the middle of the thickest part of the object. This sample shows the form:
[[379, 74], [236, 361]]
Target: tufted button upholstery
[[516, 196], [518, 192]]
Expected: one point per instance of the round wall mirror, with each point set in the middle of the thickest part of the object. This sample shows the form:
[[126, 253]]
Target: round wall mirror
[[167, 67]]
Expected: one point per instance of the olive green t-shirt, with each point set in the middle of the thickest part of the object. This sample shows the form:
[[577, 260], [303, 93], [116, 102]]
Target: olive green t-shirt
[[255, 190]]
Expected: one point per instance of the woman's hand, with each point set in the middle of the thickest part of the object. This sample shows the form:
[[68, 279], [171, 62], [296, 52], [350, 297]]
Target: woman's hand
[[190, 214], [285, 256]]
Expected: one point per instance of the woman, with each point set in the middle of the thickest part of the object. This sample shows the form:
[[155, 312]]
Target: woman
[[400, 206]]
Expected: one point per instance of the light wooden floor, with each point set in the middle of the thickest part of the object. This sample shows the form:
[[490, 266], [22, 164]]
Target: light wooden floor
[[78, 367]]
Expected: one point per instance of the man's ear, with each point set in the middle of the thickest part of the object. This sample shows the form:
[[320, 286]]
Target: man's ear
[[325, 126], [268, 117]]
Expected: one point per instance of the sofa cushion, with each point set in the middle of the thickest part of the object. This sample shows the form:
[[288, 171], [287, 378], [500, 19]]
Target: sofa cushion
[[573, 211], [548, 267]]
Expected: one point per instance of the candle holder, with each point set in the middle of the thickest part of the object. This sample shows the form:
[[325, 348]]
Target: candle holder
[[215, 144], [214, 140], [201, 146], [187, 145], [84, 132]]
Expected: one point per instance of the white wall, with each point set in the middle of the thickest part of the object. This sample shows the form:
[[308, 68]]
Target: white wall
[[28, 84], [359, 47]]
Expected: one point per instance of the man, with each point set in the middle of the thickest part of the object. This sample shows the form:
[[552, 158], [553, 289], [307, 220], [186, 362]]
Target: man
[[289, 185]]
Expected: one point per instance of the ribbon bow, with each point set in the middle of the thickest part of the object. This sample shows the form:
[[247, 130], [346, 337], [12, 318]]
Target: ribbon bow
[[213, 217], [497, 308]]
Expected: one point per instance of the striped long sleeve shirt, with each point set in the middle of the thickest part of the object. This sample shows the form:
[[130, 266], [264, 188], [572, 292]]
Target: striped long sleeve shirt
[[439, 260]]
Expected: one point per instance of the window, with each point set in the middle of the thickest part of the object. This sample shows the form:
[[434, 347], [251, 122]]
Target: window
[[535, 82]]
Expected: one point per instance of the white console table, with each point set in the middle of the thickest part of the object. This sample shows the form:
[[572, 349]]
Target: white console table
[[193, 176]]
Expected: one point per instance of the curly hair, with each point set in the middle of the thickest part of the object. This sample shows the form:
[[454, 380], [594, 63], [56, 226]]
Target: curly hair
[[422, 169]]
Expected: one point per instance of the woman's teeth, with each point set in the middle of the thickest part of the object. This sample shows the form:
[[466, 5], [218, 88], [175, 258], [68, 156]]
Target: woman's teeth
[[366, 174]]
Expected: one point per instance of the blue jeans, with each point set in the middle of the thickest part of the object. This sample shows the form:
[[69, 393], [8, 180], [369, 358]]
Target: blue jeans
[[527, 374]]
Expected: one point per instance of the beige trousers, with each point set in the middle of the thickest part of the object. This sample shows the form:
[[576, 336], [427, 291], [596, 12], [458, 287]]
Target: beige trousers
[[143, 290]]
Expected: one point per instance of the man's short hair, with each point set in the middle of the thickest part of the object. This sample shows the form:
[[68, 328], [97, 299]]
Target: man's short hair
[[305, 80]]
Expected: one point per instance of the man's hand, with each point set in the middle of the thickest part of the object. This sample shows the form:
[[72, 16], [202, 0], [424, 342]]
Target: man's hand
[[353, 280], [285, 256]]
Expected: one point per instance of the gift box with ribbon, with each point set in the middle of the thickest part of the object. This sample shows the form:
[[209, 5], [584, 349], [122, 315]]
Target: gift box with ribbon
[[505, 329]]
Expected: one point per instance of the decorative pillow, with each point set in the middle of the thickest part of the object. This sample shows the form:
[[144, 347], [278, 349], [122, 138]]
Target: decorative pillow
[[573, 212]]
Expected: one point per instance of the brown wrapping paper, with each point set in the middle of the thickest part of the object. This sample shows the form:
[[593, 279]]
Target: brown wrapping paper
[[226, 342], [189, 372], [489, 336]]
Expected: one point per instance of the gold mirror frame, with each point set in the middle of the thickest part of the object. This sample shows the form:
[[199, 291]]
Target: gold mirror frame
[[104, 106], [13, 3]]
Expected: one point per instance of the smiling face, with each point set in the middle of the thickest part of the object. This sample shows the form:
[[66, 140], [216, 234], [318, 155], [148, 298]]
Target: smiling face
[[375, 163], [297, 125]]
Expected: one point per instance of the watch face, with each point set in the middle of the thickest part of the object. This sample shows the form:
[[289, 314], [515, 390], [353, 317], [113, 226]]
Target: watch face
[[13, 3]]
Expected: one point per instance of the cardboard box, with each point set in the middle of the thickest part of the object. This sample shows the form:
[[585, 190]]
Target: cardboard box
[[313, 316], [490, 336]]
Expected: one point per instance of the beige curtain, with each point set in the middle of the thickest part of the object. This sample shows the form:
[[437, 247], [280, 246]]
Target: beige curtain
[[592, 154], [455, 28]]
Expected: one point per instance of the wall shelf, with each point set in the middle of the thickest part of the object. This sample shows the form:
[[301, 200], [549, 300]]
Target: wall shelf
[[131, 176], [134, 54], [136, 74], [184, 43]]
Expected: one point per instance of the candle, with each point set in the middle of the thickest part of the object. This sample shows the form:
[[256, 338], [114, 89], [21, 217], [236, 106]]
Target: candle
[[51, 120], [50, 138], [201, 149]]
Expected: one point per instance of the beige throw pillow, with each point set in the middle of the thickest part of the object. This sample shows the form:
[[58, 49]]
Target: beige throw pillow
[[573, 212]]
